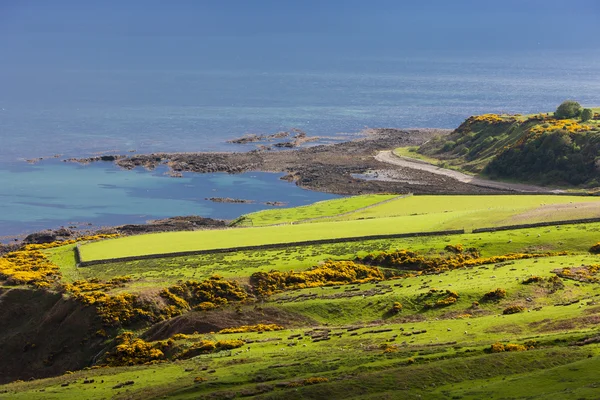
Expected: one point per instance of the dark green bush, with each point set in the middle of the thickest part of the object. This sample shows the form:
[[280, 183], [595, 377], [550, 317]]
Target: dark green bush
[[568, 109], [587, 114]]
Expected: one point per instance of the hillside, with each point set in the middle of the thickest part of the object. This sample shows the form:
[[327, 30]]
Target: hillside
[[452, 315], [534, 148]]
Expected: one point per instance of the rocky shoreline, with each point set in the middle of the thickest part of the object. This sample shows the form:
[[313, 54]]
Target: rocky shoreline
[[347, 168], [333, 168]]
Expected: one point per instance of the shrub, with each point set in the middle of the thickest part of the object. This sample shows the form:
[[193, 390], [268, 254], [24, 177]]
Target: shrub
[[229, 344], [496, 294], [568, 109], [586, 273], [586, 114], [204, 295], [441, 298], [396, 308], [132, 351], [331, 272], [513, 310], [499, 347], [533, 279], [456, 249]]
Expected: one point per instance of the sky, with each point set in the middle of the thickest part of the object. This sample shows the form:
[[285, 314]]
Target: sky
[[427, 24]]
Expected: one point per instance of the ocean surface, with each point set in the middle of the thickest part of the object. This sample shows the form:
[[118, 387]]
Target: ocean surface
[[97, 98]]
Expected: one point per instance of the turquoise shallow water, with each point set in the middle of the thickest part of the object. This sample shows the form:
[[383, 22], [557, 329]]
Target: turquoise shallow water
[[53, 194]]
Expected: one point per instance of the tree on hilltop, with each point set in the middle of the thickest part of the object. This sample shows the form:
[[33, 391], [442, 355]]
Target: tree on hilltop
[[587, 114], [568, 109]]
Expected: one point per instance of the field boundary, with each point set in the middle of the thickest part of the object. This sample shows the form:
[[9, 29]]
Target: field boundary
[[82, 263], [537, 225]]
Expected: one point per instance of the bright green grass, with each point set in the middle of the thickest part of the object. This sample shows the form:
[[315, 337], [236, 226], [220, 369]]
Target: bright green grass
[[578, 380], [170, 242], [483, 211], [411, 214], [347, 361], [167, 271], [411, 152], [316, 210], [355, 364], [470, 284]]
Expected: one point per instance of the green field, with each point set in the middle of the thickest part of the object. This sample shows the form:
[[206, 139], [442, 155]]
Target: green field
[[371, 350], [402, 215], [448, 359], [317, 210], [154, 273]]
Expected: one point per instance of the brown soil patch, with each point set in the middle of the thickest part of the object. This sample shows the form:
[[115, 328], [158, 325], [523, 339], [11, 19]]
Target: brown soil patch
[[44, 334], [506, 328], [548, 325], [213, 321]]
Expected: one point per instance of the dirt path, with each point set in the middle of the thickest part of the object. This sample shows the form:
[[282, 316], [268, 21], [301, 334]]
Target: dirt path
[[387, 156]]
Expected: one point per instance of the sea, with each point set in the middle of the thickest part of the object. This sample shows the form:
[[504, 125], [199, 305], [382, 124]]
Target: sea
[[72, 96]]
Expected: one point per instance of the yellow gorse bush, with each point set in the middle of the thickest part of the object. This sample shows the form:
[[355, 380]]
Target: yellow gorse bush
[[554, 125], [331, 272], [30, 266], [133, 351], [595, 249], [500, 347], [490, 118], [586, 273], [458, 258], [205, 295]]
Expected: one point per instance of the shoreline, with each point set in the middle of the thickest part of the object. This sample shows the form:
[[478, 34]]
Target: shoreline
[[338, 168], [328, 168]]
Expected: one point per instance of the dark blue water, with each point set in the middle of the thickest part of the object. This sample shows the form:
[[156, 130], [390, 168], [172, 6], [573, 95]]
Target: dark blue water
[[75, 110], [81, 78]]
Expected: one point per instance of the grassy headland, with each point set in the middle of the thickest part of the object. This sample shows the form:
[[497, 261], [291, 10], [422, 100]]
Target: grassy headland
[[537, 148]]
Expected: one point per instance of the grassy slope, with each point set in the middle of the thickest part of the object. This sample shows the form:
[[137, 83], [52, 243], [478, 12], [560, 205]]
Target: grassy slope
[[316, 210], [472, 146], [411, 214], [445, 362], [161, 272], [480, 211], [356, 358]]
